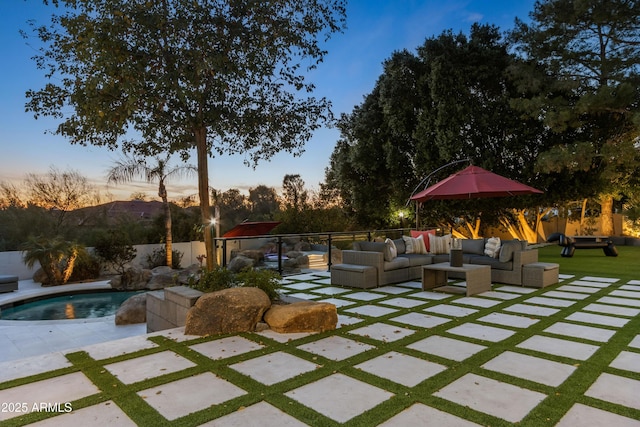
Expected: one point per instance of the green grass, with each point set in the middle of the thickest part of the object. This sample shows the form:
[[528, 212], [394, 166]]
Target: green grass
[[559, 399], [593, 262]]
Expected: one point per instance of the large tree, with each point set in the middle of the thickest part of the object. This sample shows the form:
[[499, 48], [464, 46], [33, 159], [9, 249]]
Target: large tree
[[583, 69], [214, 76], [129, 168], [449, 101]]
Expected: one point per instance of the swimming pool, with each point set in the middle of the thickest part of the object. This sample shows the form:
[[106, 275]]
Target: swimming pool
[[77, 306]]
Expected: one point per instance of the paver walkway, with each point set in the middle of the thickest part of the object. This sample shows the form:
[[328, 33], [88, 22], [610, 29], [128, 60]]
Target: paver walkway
[[566, 355]]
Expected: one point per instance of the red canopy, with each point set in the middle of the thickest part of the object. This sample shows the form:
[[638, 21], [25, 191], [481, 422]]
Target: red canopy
[[473, 182], [251, 229]]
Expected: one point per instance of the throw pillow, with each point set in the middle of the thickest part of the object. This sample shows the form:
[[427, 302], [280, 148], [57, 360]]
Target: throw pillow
[[390, 251], [414, 245], [507, 249], [473, 246], [425, 235], [492, 247], [440, 244], [400, 247]]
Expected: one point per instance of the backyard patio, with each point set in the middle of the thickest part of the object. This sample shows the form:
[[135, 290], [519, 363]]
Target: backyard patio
[[564, 355]]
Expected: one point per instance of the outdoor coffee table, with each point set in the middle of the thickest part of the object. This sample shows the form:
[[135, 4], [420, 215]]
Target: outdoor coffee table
[[436, 276]]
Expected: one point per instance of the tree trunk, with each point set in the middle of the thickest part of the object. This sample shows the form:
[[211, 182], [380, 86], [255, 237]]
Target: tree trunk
[[606, 215], [70, 264], [203, 192], [583, 215], [168, 240]]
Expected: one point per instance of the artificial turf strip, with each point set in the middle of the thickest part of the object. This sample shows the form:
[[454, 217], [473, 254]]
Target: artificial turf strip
[[558, 401]]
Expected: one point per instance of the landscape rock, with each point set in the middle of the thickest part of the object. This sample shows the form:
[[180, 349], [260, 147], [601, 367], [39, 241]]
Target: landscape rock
[[133, 279], [227, 311], [193, 271], [40, 277], [304, 316], [240, 263], [132, 311], [162, 277]]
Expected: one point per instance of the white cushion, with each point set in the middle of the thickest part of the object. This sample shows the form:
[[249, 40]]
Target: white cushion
[[492, 247], [390, 250]]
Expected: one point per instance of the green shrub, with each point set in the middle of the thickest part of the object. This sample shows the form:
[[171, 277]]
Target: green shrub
[[215, 280], [159, 257], [115, 250], [56, 256], [220, 278], [267, 280]]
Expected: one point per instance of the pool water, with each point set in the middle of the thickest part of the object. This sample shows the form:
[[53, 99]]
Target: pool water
[[79, 306]]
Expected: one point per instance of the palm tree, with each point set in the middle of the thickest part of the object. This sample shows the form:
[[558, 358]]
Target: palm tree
[[128, 168], [56, 256]]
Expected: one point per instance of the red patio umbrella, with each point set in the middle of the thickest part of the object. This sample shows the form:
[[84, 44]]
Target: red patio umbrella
[[251, 229], [473, 182]]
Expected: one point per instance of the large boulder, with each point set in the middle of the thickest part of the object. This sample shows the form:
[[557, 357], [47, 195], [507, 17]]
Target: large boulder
[[132, 311], [227, 311], [162, 277], [304, 316], [194, 271], [133, 279], [240, 263]]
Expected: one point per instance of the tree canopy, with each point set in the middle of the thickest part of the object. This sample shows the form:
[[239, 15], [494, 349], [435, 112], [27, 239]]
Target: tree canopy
[[582, 70], [214, 76], [449, 101]]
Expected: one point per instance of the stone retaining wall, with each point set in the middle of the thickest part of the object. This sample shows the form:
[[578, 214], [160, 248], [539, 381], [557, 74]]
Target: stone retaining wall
[[167, 308]]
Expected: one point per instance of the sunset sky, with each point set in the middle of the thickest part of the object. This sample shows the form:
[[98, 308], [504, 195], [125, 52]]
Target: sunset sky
[[376, 28]]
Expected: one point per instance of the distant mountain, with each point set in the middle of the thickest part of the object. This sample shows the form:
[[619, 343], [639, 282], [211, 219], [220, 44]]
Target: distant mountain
[[133, 209]]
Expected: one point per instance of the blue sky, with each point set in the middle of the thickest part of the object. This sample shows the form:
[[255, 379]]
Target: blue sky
[[376, 28]]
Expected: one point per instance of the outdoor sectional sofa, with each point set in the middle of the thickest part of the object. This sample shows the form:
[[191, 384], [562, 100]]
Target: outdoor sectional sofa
[[366, 267]]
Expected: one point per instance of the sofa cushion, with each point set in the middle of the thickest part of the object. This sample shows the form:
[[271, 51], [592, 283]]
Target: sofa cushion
[[390, 251], [441, 258], [425, 235], [508, 248], [492, 247], [440, 244], [417, 259], [473, 246], [369, 246], [397, 263], [490, 261], [400, 247]]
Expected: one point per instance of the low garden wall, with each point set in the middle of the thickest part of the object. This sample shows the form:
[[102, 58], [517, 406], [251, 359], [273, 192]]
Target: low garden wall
[[11, 261]]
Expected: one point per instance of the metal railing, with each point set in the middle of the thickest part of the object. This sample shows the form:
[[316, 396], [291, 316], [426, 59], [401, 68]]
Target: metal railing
[[327, 239]]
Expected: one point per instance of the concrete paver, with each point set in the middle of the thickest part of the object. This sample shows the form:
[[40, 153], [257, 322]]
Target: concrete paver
[[182, 397], [586, 416], [492, 397], [401, 368], [530, 368], [348, 397], [447, 347], [616, 389], [336, 347]]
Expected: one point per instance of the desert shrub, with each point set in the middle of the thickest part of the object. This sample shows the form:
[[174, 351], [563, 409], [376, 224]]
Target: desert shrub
[[159, 257], [221, 278], [114, 249], [87, 267], [267, 280], [214, 280]]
